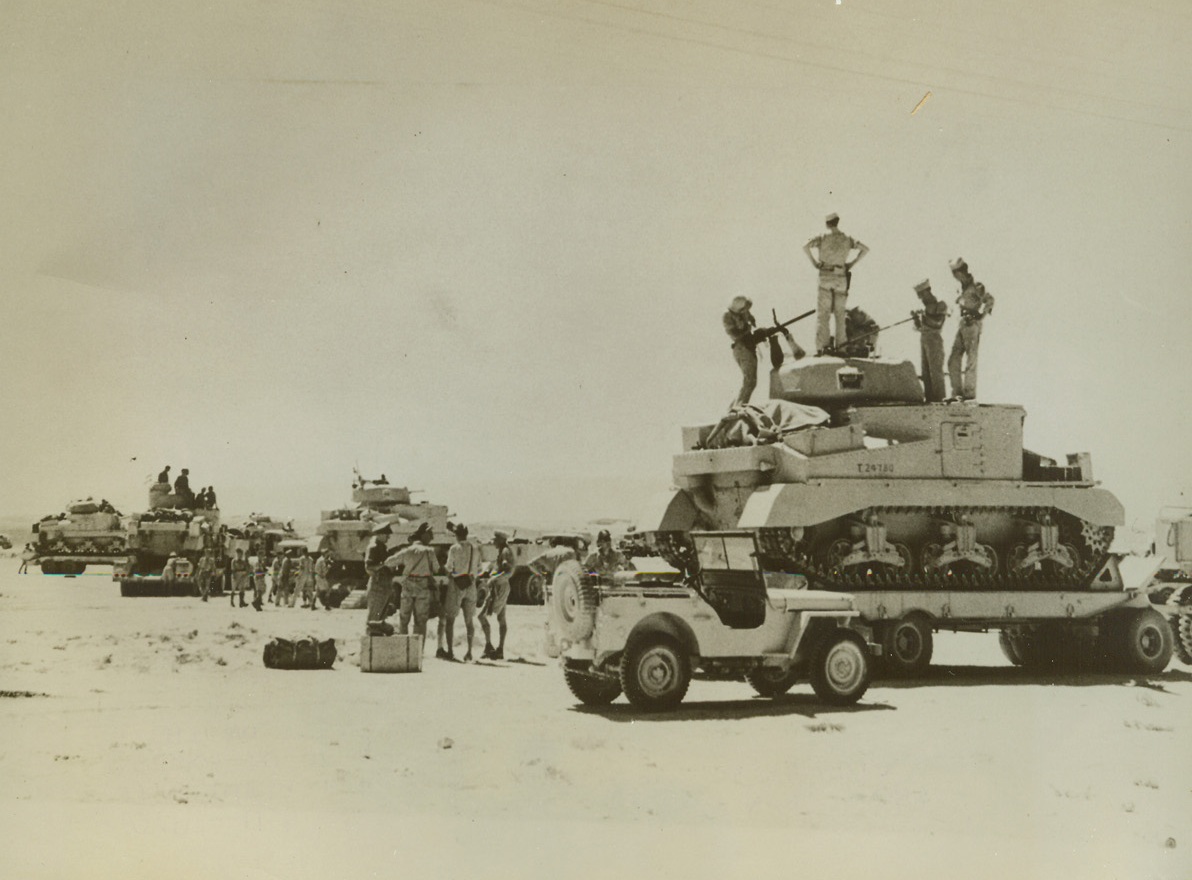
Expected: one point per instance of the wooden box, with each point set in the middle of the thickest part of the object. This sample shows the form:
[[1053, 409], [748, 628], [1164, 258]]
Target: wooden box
[[391, 654]]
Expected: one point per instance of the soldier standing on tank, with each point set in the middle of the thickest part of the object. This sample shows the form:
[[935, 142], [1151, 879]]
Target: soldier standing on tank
[[929, 321], [832, 260], [186, 498], [164, 476], [497, 598], [740, 324], [975, 304], [419, 565], [240, 574]]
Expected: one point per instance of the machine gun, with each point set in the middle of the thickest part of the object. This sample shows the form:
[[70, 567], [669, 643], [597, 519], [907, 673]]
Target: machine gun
[[842, 350], [771, 333]]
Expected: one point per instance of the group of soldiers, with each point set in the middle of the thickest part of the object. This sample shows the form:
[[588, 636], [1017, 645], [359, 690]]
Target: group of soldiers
[[187, 499], [851, 333], [412, 582], [289, 577]]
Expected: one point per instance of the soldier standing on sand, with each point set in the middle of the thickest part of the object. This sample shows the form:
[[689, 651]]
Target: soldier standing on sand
[[975, 304], [259, 570], [463, 564], [285, 593], [929, 321], [832, 252], [240, 575], [323, 580], [498, 597], [419, 565], [739, 324], [306, 580], [275, 579], [205, 573]]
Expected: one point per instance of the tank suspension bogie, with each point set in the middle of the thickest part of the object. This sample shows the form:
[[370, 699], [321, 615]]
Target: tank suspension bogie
[[944, 548]]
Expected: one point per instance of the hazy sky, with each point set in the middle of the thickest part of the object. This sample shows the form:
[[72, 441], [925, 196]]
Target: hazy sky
[[484, 247]]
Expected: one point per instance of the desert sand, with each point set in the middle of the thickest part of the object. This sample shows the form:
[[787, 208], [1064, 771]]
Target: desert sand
[[145, 738]]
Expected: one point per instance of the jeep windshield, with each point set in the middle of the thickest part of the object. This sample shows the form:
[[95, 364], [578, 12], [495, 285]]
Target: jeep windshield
[[718, 551]]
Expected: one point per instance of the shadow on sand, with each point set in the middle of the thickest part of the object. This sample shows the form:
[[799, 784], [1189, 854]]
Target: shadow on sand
[[804, 705], [1003, 676]]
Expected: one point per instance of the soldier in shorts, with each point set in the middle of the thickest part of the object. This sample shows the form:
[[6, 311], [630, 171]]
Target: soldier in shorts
[[418, 565], [463, 564], [240, 574], [498, 596], [260, 571]]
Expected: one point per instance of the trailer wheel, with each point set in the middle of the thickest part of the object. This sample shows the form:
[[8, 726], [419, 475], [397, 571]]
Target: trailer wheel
[[591, 690], [655, 672], [772, 681], [1144, 641], [840, 669], [907, 645]]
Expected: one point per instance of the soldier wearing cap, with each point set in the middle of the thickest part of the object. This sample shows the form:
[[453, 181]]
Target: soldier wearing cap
[[382, 598], [832, 260], [605, 561], [497, 598], [975, 304], [418, 565], [463, 564], [929, 321], [740, 324]]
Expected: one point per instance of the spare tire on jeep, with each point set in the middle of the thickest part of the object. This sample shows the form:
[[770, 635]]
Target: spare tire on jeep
[[572, 602]]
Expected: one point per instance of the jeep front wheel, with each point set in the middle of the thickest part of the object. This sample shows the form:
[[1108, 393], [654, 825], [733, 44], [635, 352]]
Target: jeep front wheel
[[840, 669], [591, 690], [655, 673]]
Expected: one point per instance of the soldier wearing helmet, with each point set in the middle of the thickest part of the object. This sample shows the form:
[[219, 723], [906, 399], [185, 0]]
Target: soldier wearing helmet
[[605, 560], [740, 324]]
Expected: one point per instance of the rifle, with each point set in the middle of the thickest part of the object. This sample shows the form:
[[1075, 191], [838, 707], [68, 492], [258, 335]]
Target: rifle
[[866, 335], [761, 334]]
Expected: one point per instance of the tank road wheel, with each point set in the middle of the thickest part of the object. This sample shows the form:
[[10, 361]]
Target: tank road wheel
[[591, 690], [1144, 641], [655, 672], [927, 558], [772, 681], [838, 550], [907, 645], [573, 603], [840, 669]]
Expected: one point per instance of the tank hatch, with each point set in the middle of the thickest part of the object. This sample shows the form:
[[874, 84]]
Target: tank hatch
[[832, 382]]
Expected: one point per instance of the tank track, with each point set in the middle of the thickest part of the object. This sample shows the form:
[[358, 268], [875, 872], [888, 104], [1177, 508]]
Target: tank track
[[805, 557]]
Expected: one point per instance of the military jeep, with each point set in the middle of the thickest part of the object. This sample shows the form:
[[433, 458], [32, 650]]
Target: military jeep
[[647, 634]]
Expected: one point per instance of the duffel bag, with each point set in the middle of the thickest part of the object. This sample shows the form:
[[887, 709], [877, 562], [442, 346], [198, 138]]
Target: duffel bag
[[308, 653]]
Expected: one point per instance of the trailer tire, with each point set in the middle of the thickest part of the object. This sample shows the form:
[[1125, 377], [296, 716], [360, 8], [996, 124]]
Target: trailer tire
[[907, 645], [1144, 642]]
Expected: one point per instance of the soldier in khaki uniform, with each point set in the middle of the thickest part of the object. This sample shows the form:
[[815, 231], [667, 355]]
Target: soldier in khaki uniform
[[497, 598], [975, 304], [463, 564], [929, 321], [739, 324], [832, 260], [418, 565]]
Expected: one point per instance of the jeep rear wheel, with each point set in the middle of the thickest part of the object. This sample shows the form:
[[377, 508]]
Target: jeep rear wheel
[[655, 672], [591, 690], [772, 681], [840, 669]]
